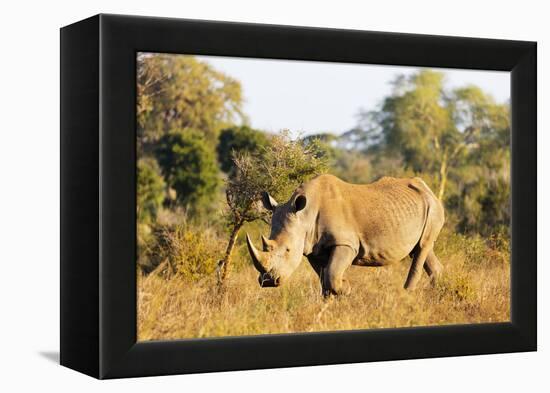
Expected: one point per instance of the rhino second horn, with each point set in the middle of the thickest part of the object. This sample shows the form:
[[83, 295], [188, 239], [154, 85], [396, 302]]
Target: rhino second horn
[[266, 243], [256, 256]]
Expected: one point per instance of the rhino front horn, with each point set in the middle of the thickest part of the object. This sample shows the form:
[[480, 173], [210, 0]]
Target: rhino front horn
[[256, 256]]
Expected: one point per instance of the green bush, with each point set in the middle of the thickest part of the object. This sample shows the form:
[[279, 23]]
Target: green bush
[[150, 189], [473, 248], [189, 165]]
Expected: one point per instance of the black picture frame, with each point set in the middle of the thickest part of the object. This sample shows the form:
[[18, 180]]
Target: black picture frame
[[98, 215]]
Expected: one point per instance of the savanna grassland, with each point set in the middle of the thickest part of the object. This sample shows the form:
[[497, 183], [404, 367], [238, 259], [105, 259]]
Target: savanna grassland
[[202, 171], [474, 288]]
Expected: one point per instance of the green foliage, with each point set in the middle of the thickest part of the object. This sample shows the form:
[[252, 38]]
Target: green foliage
[[238, 140], [181, 92], [474, 250], [482, 204], [150, 189], [495, 207], [189, 166]]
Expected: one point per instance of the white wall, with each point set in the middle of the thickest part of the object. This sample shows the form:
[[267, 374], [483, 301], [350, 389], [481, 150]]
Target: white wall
[[29, 213]]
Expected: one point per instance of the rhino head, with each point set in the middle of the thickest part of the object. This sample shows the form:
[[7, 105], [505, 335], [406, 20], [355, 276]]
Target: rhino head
[[282, 252]]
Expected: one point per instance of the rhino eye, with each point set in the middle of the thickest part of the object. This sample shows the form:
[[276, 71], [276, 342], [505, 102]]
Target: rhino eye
[[300, 202]]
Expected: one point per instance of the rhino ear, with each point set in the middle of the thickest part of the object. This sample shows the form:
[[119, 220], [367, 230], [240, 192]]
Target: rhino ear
[[300, 202], [268, 202]]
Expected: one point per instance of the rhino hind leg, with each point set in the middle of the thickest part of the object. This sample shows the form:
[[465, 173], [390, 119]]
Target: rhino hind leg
[[424, 256], [332, 280], [433, 267], [417, 265]]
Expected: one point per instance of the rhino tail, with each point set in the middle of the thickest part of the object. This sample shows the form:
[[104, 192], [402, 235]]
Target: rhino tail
[[434, 218]]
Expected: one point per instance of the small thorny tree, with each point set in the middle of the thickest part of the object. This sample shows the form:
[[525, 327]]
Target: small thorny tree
[[278, 168]]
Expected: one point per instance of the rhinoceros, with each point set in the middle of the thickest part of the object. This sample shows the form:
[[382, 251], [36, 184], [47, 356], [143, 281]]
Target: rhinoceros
[[335, 224]]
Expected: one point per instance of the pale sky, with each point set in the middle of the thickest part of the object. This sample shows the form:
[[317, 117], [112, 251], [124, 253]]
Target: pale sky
[[311, 97]]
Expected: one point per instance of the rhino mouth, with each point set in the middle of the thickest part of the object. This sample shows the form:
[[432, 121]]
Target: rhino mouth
[[267, 281]]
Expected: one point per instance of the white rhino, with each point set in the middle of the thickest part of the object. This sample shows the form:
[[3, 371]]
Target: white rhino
[[337, 224]]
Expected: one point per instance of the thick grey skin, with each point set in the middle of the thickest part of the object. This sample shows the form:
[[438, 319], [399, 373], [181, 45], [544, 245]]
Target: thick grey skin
[[336, 224]]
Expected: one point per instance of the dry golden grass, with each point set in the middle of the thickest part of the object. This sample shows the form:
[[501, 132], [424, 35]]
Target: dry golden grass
[[475, 288]]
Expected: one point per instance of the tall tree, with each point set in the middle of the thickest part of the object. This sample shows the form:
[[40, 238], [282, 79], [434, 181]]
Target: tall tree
[[457, 138], [418, 124], [181, 92], [482, 183], [486, 122], [415, 123]]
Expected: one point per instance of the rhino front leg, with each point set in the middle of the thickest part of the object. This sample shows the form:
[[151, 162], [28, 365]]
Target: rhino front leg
[[332, 279], [318, 264]]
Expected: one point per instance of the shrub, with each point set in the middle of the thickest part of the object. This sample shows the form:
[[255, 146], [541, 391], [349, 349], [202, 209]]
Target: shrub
[[474, 250], [191, 253], [145, 239], [189, 165], [458, 287], [150, 189]]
